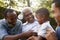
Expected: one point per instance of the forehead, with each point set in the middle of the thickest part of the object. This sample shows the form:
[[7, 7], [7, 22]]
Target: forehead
[[27, 12], [54, 7], [39, 15], [11, 14]]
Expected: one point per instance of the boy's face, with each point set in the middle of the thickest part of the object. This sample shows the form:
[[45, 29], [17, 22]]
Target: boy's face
[[40, 18], [56, 13]]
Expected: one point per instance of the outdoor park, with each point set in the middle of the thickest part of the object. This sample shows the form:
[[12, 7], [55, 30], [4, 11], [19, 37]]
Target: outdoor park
[[18, 5], [29, 19]]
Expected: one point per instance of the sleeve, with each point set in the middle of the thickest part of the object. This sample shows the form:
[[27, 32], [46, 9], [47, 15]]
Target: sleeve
[[42, 31], [58, 33], [51, 28], [3, 32]]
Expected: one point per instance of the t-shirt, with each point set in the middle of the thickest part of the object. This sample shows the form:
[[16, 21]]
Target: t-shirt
[[6, 30], [58, 32]]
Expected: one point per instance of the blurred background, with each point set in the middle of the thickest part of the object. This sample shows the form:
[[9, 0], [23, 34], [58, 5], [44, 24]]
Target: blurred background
[[18, 5]]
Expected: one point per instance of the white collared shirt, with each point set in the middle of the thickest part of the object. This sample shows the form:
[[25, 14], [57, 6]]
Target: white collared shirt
[[42, 29], [29, 26]]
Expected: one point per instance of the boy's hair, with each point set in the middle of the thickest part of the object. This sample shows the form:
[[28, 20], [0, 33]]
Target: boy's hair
[[43, 11], [8, 10], [57, 3]]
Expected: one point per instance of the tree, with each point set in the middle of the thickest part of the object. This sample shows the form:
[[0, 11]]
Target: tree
[[28, 3]]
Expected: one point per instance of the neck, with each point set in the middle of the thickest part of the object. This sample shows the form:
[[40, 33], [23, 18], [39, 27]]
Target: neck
[[44, 21]]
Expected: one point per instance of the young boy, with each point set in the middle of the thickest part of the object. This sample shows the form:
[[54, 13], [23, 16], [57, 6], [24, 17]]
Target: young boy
[[42, 16]]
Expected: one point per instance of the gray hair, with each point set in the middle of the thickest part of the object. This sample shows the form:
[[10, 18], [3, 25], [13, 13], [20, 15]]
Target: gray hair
[[20, 16], [26, 9]]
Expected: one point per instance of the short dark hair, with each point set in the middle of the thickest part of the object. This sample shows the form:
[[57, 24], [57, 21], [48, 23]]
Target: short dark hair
[[8, 10], [43, 11], [57, 3]]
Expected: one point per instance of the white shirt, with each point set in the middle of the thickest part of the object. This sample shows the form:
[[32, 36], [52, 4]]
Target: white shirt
[[29, 26], [42, 29]]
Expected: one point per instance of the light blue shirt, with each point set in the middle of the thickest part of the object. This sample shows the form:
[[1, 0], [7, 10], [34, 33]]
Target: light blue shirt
[[58, 32], [5, 30]]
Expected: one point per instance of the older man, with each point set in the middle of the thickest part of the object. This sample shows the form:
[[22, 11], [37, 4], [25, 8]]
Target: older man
[[30, 23]]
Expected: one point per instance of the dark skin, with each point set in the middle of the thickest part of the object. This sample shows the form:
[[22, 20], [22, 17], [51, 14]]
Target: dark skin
[[28, 17], [41, 18], [11, 19], [56, 13]]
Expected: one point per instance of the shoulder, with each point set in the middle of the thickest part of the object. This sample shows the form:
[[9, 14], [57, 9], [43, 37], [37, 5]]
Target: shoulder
[[36, 22], [46, 24], [19, 21], [2, 21], [57, 28], [24, 24]]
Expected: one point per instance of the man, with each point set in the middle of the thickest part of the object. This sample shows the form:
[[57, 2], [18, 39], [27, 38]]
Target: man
[[56, 15], [42, 16], [30, 23], [10, 27], [28, 16]]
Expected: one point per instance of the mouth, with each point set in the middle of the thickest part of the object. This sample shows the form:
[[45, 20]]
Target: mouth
[[12, 23]]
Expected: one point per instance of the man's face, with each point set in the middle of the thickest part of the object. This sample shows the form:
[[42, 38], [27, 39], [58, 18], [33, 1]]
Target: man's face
[[56, 13], [11, 18], [28, 16]]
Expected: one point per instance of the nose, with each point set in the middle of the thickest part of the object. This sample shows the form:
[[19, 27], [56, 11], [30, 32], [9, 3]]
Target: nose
[[30, 16]]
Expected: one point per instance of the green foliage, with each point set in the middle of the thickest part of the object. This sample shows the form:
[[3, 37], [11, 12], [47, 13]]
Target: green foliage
[[24, 3], [47, 4], [53, 22], [1, 12]]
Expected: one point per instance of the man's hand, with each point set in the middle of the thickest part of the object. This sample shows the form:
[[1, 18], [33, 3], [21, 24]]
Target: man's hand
[[27, 34], [19, 36], [33, 38], [50, 35]]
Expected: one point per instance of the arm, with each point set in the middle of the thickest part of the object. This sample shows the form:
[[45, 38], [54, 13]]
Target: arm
[[50, 35], [4, 35], [18, 36], [35, 38]]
